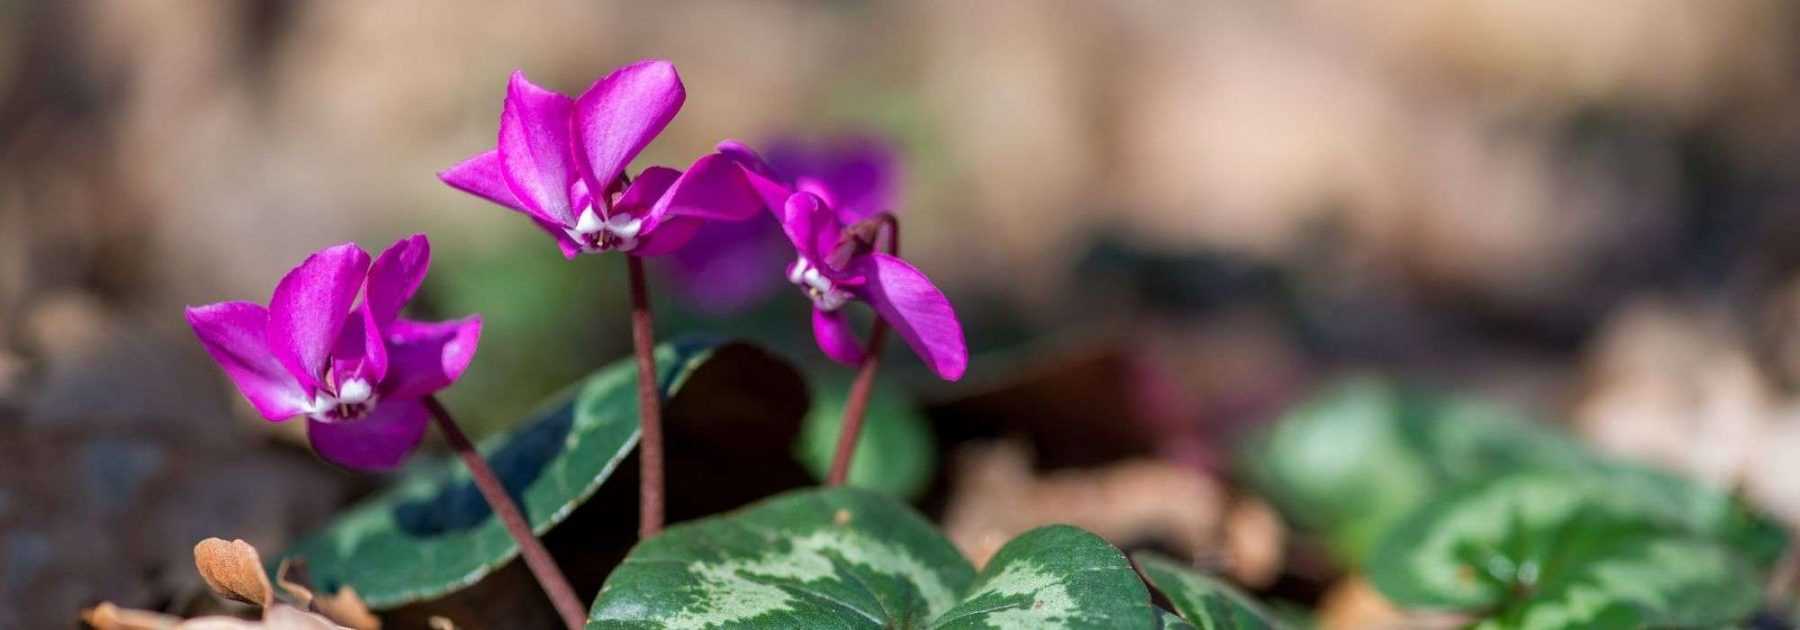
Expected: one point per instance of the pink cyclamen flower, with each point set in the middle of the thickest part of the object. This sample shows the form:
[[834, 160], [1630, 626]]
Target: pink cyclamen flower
[[561, 161], [724, 269], [833, 268], [357, 370]]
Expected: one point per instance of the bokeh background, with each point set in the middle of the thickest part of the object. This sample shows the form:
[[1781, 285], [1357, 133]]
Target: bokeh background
[[1590, 210]]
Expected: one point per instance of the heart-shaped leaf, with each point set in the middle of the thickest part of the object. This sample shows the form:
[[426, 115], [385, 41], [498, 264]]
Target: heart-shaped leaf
[[895, 453], [1205, 601], [851, 558], [1352, 461], [1559, 550], [432, 533], [825, 558], [1054, 577]]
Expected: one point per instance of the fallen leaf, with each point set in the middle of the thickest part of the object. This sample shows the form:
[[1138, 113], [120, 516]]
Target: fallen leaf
[[107, 616], [234, 571], [345, 607]]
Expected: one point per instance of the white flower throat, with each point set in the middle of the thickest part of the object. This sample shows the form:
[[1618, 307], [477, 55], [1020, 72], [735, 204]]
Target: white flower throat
[[594, 234], [353, 399], [825, 295]]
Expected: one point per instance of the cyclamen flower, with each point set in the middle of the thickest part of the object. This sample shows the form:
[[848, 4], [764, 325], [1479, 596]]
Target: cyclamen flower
[[561, 161], [836, 264], [723, 269], [356, 370]]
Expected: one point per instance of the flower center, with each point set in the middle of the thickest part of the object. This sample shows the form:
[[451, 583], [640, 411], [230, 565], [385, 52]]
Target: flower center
[[825, 296], [353, 399], [595, 234]]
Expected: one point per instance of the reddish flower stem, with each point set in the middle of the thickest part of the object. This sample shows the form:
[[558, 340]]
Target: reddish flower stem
[[538, 559], [858, 404], [650, 442]]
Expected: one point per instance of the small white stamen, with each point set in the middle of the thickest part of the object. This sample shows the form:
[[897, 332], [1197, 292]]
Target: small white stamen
[[824, 294], [354, 399], [354, 391], [594, 234]]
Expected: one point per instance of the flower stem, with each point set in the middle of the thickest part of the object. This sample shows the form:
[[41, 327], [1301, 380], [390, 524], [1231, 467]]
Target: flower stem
[[538, 559], [650, 443], [857, 406]]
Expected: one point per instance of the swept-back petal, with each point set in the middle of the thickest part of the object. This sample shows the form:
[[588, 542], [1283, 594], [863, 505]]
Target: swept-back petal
[[424, 357], [379, 441], [309, 307], [619, 115], [832, 330], [480, 175], [770, 187], [714, 188], [234, 334], [395, 276], [918, 311], [811, 227], [536, 158]]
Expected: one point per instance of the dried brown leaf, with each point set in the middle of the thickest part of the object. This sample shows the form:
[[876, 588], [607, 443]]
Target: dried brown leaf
[[348, 609], [234, 571], [345, 607], [291, 576], [107, 616]]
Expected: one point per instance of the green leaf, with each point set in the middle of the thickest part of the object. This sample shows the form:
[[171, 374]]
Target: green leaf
[[1353, 460], [1208, 602], [1569, 550], [1166, 620], [895, 454], [852, 558], [1054, 577], [432, 533], [824, 558]]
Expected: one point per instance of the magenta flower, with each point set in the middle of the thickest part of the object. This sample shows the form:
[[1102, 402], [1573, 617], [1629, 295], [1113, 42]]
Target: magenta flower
[[561, 161], [356, 370], [836, 263], [724, 268]]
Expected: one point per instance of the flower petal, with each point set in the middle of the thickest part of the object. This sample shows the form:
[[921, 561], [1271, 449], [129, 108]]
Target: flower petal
[[234, 334], [832, 330], [395, 276], [309, 308], [771, 188], [915, 309], [536, 158], [714, 188], [481, 176], [863, 174], [640, 198], [424, 357], [811, 227], [670, 236], [620, 114], [729, 265], [359, 352], [379, 441]]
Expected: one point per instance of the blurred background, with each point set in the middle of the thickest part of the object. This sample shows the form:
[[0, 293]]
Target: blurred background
[[1184, 214]]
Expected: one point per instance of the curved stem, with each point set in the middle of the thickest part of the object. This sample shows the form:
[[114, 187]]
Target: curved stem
[[538, 559], [857, 406], [650, 442]]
